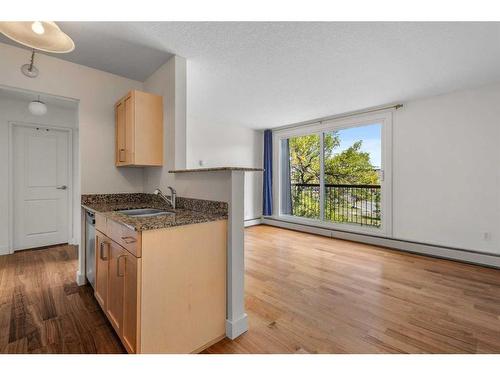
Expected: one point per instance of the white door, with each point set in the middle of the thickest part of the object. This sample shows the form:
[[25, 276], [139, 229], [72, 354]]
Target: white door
[[40, 187]]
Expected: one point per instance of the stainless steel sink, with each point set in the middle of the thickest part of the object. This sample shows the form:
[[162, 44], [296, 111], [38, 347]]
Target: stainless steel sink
[[145, 212]]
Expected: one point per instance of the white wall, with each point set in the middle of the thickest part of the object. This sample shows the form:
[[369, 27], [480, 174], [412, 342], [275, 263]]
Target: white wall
[[187, 141], [217, 145], [16, 110], [97, 92], [170, 82], [446, 170]]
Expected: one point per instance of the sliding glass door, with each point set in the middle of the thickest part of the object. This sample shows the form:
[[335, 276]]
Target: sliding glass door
[[301, 176], [334, 174], [352, 172]]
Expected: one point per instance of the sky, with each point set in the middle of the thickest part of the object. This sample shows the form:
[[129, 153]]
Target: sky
[[371, 137]]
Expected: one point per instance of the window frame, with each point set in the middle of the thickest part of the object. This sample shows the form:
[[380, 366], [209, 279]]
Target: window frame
[[384, 118]]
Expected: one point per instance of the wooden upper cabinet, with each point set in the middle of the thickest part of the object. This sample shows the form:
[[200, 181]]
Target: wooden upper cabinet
[[139, 130], [120, 132]]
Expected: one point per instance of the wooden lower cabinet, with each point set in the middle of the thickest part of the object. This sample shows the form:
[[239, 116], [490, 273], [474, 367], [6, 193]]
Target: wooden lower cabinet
[[116, 286], [131, 303], [101, 264], [172, 299], [183, 294]]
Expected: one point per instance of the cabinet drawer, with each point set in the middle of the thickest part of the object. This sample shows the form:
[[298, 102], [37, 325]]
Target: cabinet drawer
[[126, 237], [100, 223]]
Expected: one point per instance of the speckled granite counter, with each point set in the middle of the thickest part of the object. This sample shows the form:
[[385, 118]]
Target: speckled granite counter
[[188, 211]]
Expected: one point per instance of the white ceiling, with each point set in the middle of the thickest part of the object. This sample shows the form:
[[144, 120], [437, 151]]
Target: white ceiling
[[264, 75]]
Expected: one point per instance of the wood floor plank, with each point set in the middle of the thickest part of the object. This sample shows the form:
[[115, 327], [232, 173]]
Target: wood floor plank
[[304, 294], [325, 295], [43, 310]]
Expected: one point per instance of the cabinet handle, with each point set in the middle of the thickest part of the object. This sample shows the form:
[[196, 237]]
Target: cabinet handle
[[101, 252], [120, 158], [128, 239], [118, 265]]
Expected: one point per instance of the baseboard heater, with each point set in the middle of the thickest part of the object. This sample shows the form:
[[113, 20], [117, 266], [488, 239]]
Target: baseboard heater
[[252, 222], [437, 251]]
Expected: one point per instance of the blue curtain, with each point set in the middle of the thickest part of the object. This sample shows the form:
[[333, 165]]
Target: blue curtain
[[267, 201]]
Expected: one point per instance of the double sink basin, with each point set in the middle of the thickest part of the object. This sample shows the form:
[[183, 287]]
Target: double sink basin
[[145, 212]]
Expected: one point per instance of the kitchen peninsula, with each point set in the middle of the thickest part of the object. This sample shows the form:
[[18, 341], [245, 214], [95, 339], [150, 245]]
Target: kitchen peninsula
[[161, 279]]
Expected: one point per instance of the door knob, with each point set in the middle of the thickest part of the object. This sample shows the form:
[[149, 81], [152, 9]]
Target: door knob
[[62, 187]]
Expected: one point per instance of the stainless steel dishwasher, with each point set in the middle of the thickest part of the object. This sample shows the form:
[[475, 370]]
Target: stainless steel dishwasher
[[90, 248]]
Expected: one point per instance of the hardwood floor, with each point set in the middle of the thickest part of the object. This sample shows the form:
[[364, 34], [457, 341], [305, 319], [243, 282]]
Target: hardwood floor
[[312, 294], [304, 294], [43, 310]]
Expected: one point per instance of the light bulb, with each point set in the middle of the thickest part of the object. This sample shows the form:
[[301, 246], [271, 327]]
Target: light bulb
[[37, 27], [37, 108]]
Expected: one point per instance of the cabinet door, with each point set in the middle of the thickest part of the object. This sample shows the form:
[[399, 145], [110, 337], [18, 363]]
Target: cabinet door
[[116, 279], [129, 129], [101, 269], [148, 115], [120, 134], [130, 302]]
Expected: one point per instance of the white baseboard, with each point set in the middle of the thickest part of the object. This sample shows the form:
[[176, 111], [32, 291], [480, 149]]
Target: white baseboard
[[236, 327], [80, 278], [252, 222], [4, 250], [73, 241], [468, 256]]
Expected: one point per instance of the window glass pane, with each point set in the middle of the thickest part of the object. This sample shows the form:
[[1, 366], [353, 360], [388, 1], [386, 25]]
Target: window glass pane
[[300, 170], [352, 160]]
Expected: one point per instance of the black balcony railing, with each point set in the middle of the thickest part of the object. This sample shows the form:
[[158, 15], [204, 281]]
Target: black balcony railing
[[355, 204]]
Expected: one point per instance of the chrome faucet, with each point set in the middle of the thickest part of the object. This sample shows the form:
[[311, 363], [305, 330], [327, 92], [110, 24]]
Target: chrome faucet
[[170, 200]]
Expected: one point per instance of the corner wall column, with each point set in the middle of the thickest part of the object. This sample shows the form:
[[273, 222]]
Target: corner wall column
[[237, 320]]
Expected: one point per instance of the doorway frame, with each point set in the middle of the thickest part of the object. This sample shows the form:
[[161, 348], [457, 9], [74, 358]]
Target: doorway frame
[[71, 193]]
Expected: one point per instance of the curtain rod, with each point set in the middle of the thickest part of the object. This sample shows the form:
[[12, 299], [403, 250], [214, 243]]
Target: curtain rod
[[339, 116]]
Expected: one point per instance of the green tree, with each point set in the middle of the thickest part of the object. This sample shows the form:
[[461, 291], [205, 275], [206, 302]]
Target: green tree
[[305, 156], [351, 166]]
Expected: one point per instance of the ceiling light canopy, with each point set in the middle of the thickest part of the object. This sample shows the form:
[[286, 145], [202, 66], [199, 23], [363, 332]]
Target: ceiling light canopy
[[41, 35]]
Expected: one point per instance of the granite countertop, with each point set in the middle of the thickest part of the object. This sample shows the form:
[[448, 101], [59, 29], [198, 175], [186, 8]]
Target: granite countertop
[[189, 211], [216, 169]]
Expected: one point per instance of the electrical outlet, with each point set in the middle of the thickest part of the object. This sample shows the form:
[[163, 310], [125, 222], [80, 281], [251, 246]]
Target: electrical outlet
[[201, 163], [486, 236]]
